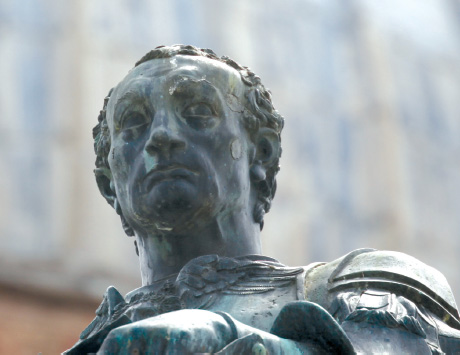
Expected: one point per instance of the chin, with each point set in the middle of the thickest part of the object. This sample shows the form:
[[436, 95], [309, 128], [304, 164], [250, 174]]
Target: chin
[[171, 205]]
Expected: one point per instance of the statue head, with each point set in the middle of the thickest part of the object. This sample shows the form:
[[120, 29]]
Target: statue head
[[185, 135]]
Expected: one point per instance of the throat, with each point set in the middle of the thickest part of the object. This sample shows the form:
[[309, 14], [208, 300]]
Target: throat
[[164, 254]]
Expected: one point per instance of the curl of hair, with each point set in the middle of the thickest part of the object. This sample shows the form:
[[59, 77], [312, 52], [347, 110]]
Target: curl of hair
[[101, 136], [259, 113]]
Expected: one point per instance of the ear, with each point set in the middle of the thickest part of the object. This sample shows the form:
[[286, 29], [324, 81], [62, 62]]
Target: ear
[[267, 152], [268, 149]]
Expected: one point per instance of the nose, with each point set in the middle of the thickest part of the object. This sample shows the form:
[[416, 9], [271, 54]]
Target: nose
[[164, 137]]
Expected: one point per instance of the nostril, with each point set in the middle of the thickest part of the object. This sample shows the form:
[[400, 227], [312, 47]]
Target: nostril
[[177, 144], [162, 140]]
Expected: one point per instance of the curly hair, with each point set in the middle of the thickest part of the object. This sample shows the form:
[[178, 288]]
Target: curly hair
[[258, 113]]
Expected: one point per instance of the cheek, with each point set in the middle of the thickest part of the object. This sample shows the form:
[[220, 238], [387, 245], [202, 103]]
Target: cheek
[[123, 154], [236, 149], [232, 164], [239, 154], [120, 164], [117, 161]]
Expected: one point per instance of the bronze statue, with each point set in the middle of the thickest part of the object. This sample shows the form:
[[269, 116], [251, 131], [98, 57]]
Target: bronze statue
[[188, 146]]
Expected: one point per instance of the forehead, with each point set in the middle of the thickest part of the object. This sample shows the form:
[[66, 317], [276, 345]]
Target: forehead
[[164, 70]]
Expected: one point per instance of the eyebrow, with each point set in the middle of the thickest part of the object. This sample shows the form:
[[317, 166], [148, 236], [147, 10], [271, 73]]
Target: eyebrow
[[122, 103], [185, 85], [182, 86], [131, 94]]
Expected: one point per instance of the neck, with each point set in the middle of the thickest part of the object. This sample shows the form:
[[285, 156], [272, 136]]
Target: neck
[[161, 255]]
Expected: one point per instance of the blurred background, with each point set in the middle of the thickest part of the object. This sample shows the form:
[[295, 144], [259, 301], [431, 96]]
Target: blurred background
[[371, 147]]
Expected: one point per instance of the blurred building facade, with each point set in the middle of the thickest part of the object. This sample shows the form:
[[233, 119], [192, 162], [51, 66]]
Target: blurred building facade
[[371, 147]]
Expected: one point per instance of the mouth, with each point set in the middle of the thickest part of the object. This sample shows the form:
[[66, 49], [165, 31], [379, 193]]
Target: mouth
[[165, 173]]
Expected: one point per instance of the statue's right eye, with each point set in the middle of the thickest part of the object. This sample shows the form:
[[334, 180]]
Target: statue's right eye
[[134, 124], [134, 120]]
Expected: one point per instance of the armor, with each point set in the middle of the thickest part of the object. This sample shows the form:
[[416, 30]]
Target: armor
[[392, 294], [367, 301]]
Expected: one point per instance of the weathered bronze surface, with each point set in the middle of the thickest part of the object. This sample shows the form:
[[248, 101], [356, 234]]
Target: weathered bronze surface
[[188, 146]]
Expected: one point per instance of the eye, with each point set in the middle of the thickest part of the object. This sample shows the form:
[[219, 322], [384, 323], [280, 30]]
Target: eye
[[199, 109], [199, 115], [134, 120], [133, 124]]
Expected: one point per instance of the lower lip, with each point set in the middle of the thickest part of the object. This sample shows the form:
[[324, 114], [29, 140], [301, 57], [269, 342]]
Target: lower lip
[[170, 175]]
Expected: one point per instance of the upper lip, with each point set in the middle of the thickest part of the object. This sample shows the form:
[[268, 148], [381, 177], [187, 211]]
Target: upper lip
[[167, 172]]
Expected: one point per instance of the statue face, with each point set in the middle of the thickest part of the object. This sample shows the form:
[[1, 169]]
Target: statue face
[[179, 153]]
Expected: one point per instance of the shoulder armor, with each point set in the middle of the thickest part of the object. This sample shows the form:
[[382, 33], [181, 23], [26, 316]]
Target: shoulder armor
[[391, 271]]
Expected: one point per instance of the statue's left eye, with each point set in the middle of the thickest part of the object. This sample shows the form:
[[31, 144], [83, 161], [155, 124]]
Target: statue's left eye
[[199, 109], [199, 115]]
